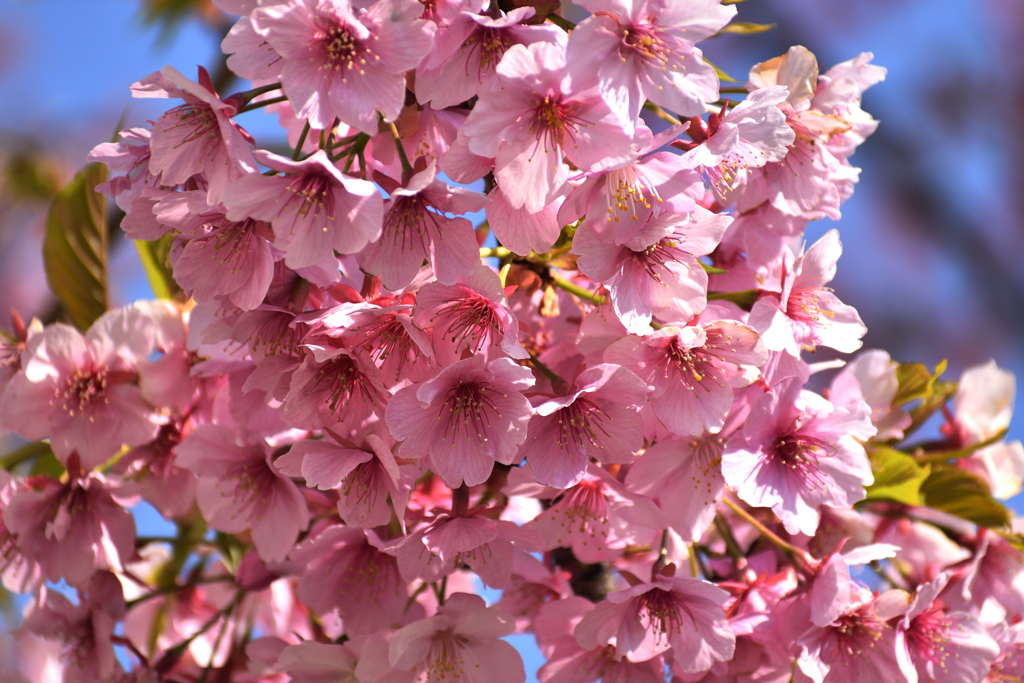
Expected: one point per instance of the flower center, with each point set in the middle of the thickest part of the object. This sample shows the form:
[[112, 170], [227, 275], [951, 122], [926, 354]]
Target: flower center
[[553, 121], [690, 366], [928, 636], [338, 381], [579, 424], [628, 190], [312, 193], [585, 502], [492, 43], [86, 388], [799, 453], [856, 634], [409, 226], [646, 42], [666, 614], [471, 319], [469, 408], [342, 48]]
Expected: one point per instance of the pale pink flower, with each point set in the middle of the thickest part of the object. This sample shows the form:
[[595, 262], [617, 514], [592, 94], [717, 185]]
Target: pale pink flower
[[693, 370], [943, 646], [656, 273], [871, 377], [425, 132], [364, 477], [80, 390], [567, 662], [684, 476], [74, 528], [461, 642], [646, 620], [520, 231], [472, 315], [645, 50], [597, 518], [162, 483], [798, 452], [18, 574], [85, 629], [806, 313], [529, 119], [313, 207], [599, 419], [467, 50], [131, 156], [345, 61], [416, 227], [249, 54], [531, 586], [620, 201], [983, 406], [239, 488], [993, 580], [857, 646], [470, 416], [196, 137], [746, 137], [313, 662], [347, 570]]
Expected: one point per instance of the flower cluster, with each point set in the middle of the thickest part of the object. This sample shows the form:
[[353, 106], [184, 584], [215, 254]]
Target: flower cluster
[[366, 398]]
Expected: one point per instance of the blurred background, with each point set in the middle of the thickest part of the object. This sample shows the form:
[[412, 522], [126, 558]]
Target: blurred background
[[933, 236]]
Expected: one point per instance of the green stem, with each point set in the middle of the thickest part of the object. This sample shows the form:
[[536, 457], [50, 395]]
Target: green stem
[[661, 113], [731, 546], [944, 456], [789, 548], [691, 554], [406, 166], [557, 382], [250, 95], [576, 290], [302, 141], [175, 588], [261, 103], [744, 298]]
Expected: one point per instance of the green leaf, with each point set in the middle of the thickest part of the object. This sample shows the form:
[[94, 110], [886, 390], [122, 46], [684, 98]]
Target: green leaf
[[898, 477], [1016, 540], [711, 270], [48, 465], [941, 392], [961, 453], [745, 27], [23, 454], [153, 255], [722, 76], [744, 299], [75, 247], [964, 494], [915, 381]]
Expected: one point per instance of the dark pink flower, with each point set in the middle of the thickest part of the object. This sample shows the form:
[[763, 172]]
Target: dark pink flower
[[18, 574], [345, 61], [470, 416], [72, 529], [196, 137], [364, 477], [449, 541], [472, 315], [461, 642], [239, 488], [646, 620], [346, 570], [600, 419], [313, 207]]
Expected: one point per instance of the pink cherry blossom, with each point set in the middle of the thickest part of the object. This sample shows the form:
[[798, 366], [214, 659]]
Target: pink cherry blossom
[[472, 315], [645, 50], [599, 419], [467, 50], [656, 273], [450, 540], [196, 137], [598, 517], [18, 573], [871, 378], [646, 620], [693, 370], [80, 391], [313, 207], [529, 119], [470, 416], [416, 227], [71, 529], [460, 642], [364, 477], [347, 570], [806, 313], [239, 488], [345, 61], [798, 452]]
